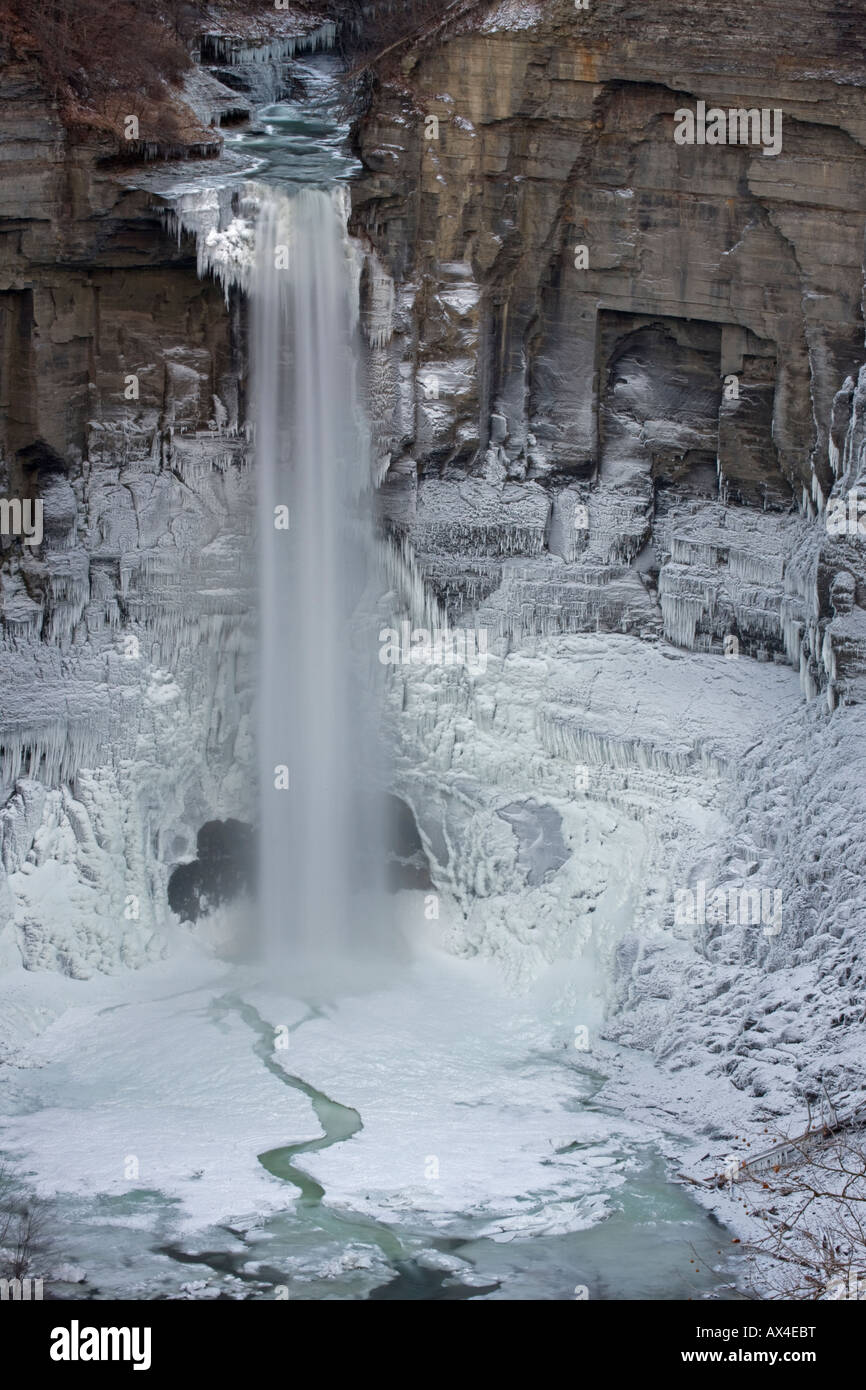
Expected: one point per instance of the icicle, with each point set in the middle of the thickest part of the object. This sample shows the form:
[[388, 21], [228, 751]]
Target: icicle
[[231, 51], [404, 575], [379, 324]]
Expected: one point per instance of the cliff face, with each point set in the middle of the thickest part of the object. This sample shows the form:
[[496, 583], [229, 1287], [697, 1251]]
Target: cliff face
[[601, 333], [123, 380], [615, 380], [614, 390]]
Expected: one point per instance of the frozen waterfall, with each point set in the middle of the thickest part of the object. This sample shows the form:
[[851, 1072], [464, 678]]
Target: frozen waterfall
[[322, 851]]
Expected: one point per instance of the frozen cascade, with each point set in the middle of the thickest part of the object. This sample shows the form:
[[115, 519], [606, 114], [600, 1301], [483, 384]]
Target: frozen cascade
[[414, 597], [235, 52], [322, 836]]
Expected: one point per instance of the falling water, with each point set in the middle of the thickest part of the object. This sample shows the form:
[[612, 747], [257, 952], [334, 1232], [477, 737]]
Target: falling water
[[322, 837]]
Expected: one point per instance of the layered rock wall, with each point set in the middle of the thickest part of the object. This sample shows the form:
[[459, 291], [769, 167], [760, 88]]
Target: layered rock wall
[[627, 337], [125, 633]]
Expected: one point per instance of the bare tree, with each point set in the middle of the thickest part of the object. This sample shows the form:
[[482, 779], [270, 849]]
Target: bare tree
[[101, 54], [23, 1228], [374, 37], [813, 1208]]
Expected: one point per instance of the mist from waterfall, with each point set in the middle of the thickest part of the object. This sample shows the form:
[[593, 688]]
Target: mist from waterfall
[[322, 836]]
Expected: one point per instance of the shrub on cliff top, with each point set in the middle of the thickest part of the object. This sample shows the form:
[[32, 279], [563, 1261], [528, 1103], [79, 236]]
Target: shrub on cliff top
[[103, 60]]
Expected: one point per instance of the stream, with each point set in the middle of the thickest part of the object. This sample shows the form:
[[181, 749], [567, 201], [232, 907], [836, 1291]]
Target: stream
[[545, 1191]]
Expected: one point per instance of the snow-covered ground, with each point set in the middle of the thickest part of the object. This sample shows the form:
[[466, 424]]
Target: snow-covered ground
[[475, 1098], [141, 1105]]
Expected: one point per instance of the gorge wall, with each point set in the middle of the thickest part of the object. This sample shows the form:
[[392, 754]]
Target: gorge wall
[[619, 390], [616, 384], [659, 420], [125, 633]]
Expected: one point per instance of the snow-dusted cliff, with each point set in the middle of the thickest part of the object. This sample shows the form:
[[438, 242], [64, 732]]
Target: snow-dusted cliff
[[627, 476], [615, 386]]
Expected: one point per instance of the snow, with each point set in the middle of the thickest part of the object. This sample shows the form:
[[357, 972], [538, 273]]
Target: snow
[[629, 745], [463, 1106], [513, 14], [123, 1073], [470, 1102], [102, 749]]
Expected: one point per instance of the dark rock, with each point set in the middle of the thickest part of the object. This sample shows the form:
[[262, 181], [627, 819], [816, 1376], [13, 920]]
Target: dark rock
[[222, 872]]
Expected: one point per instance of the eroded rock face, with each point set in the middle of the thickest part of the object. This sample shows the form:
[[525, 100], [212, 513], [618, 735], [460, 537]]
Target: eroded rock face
[[619, 394], [125, 632], [598, 333]]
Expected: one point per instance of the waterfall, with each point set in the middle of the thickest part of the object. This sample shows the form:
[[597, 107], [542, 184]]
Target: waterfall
[[322, 830]]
